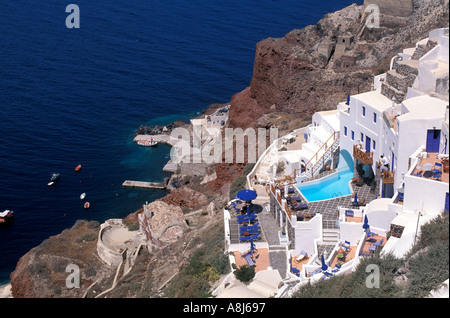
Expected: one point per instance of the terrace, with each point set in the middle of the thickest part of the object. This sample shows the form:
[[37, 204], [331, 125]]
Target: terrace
[[433, 167]]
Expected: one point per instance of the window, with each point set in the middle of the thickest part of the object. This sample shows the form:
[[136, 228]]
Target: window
[[374, 145], [375, 118], [362, 137], [353, 135], [345, 131], [364, 111]]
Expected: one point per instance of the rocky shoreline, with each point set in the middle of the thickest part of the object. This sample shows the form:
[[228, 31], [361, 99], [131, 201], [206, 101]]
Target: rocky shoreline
[[292, 79]]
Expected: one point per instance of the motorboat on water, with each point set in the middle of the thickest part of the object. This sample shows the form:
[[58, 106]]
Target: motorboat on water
[[87, 205], [82, 196], [6, 215], [147, 143], [77, 168], [55, 176]]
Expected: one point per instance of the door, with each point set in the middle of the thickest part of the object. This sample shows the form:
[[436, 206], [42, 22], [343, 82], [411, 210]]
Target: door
[[446, 203], [433, 140], [368, 141]]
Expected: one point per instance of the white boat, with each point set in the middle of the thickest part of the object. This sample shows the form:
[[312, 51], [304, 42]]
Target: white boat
[[147, 143], [82, 196], [6, 215]]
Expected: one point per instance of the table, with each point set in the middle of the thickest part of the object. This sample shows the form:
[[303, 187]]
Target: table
[[427, 167]]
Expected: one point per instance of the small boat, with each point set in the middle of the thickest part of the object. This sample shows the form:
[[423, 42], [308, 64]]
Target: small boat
[[87, 205], [6, 215], [147, 143], [77, 168], [55, 176], [82, 196]]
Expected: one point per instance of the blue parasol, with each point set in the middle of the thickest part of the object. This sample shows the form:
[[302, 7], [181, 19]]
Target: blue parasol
[[366, 225], [355, 201], [247, 195], [324, 266], [348, 99], [252, 245]]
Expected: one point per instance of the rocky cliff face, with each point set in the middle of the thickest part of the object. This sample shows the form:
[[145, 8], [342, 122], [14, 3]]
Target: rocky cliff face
[[314, 68]]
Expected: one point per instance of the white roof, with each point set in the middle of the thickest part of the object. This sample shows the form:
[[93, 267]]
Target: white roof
[[423, 107], [375, 100], [264, 285]]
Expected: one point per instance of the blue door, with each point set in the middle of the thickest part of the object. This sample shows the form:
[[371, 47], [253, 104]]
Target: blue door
[[368, 141], [446, 203], [433, 140]]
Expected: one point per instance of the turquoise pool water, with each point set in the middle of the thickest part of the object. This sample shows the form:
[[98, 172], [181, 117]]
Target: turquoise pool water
[[332, 186]]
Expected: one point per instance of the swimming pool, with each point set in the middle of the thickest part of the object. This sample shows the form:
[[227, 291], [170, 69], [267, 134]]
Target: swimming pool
[[332, 186]]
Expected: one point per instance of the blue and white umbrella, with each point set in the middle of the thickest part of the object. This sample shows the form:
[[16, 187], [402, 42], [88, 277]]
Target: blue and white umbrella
[[247, 195], [324, 266], [355, 201]]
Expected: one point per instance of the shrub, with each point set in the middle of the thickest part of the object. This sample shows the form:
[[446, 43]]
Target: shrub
[[245, 273]]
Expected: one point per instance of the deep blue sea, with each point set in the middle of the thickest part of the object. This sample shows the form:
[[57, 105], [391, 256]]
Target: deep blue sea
[[76, 96]]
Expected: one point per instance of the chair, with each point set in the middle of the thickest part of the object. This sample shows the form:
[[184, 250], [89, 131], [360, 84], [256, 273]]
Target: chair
[[346, 246], [295, 271], [379, 243], [437, 167], [336, 269]]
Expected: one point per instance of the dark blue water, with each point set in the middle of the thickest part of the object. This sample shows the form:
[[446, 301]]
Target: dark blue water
[[75, 96]]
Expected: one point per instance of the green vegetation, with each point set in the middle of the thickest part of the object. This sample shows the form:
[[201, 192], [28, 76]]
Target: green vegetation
[[245, 273], [205, 266], [240, 182], [423, 269]]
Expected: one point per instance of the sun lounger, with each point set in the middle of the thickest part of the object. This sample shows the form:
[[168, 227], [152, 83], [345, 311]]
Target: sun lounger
[[301, 256], [250, 231], [300, 206], [246, 219], [246, 216], [249, 227], [249, 260]]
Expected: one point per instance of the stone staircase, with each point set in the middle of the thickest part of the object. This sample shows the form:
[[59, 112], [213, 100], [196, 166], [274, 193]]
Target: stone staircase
[[322, 154], [399, 79], [330, 236], [404, 73]]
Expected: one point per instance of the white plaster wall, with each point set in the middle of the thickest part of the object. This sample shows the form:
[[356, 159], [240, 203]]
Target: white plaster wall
[[424, 195], [305, 234]]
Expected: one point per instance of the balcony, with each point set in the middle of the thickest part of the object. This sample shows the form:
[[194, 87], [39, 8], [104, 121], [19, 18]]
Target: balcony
[[388, 176], [365, 158]]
